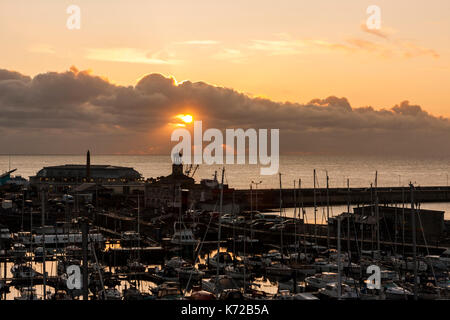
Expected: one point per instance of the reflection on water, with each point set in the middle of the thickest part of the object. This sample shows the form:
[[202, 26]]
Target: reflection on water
[[109, 246], [321, 211], [260, 283], [51, 270]]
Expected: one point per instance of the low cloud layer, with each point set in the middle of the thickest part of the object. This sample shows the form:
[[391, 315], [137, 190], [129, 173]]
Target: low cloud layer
[[72, 111]]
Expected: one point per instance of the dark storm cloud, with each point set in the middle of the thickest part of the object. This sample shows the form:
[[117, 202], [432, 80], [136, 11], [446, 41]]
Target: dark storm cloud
[[71, 111]]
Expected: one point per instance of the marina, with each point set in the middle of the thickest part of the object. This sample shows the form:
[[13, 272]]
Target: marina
[[102, 232]]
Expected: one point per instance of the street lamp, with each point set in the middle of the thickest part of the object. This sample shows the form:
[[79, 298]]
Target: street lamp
[[256, 200], [256, 192], [24, 189]]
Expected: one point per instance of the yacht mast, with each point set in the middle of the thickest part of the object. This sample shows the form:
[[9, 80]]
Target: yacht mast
[[328, 213], [377, 212], [295, 215], [23, 207], [348, 221], [251, 211], [220, 225], [413, 227], [43, 245], [403, 221], [315, 209], [303, 212], [281, 204], [339, 255], [31, 241], [138, 229]]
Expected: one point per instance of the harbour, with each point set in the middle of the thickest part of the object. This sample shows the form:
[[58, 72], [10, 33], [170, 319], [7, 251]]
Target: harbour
[[102, 232]]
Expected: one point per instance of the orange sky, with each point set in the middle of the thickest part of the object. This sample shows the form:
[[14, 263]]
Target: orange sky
[[283, 50]]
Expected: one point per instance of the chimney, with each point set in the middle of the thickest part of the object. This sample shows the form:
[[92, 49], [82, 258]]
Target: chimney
[[88, 166]]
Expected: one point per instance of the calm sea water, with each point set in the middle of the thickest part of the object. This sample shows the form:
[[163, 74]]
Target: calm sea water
[[359, 170]]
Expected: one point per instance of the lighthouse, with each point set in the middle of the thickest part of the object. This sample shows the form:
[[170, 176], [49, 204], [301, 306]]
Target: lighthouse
[[177, 164]]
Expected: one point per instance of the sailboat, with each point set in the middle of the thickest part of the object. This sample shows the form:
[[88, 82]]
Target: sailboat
[[287, 295], [330, 291], [187, 271], [394, 292], [28, 293], [168, 291], [110, 293], [183, 236], [217, 284], [220, 260], [23, 272], [178, 268], [445, 257], [274, 260], [60, 295], [321, 280], [276, 268], [237, 271], [134, 265]]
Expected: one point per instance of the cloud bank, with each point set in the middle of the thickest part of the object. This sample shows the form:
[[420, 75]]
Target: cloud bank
[[69, 112]]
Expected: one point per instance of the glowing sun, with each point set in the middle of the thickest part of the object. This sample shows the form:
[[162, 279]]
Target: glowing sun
[[186, 118]]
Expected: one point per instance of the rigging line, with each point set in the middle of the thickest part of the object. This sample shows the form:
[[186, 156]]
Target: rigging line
[[425, 242], [321, 204], [389, 233], [200, 249], [98, 270], [356, 238], [395, 227], [359, 254], [323, 216]]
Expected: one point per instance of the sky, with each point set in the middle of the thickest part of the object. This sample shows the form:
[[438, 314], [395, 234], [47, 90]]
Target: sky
[[301, 58]]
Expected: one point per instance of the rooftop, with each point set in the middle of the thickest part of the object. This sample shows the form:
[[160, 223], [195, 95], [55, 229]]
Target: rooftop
[[96, 171], [83, 167]]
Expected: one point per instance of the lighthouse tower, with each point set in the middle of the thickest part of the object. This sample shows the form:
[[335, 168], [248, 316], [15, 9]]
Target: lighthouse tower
[[177, 164]]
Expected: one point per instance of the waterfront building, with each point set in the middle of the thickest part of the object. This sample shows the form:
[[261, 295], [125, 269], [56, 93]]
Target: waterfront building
[[164, 192], [65, 178]]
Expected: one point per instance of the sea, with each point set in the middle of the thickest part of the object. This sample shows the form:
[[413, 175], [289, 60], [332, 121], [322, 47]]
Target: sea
[[359, 170]]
